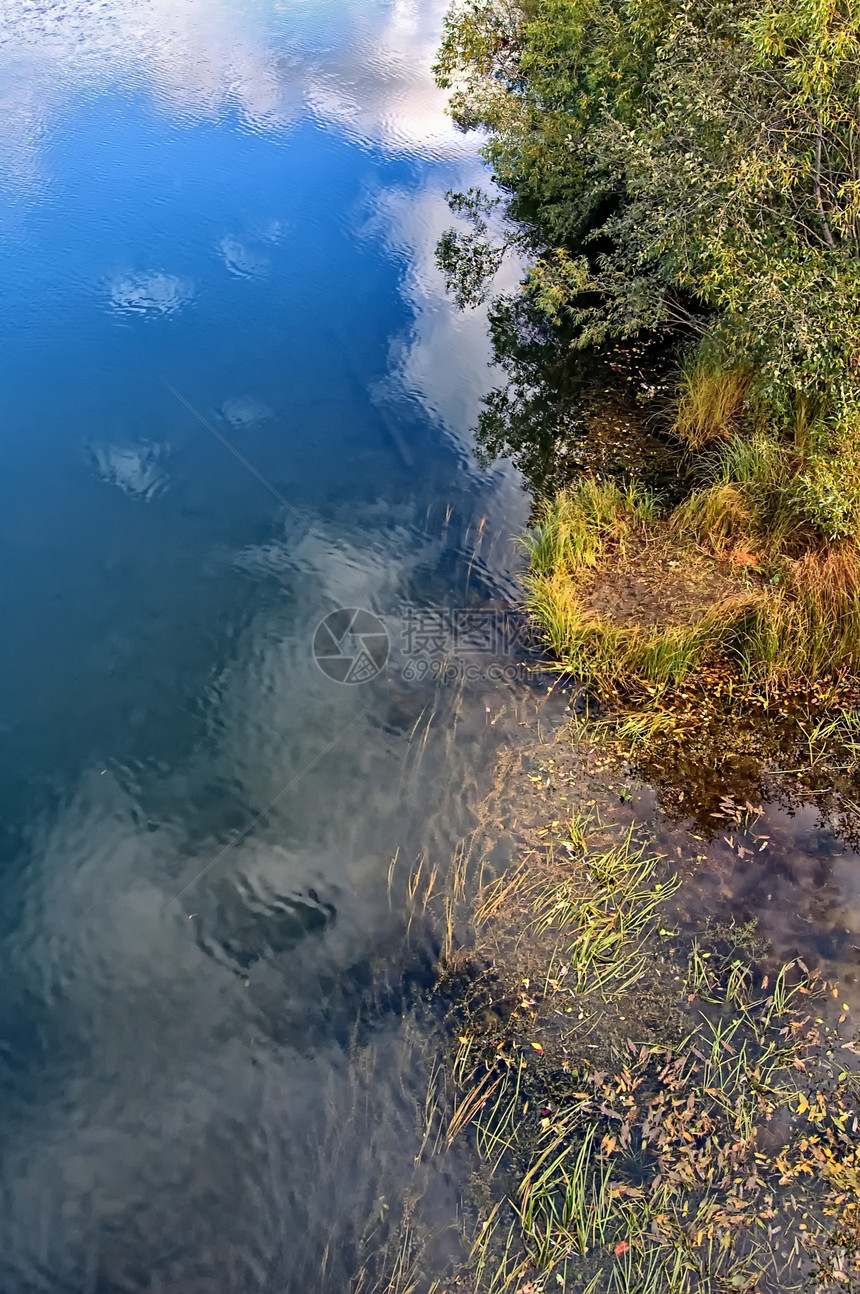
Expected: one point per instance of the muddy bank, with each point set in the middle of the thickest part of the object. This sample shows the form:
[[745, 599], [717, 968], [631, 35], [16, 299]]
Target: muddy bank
[[656, 582]]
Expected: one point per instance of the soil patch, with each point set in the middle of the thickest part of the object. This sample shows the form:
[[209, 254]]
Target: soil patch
[[656, 583]]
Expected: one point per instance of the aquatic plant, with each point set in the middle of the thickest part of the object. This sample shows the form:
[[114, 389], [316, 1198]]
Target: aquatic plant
[[719, 1156]]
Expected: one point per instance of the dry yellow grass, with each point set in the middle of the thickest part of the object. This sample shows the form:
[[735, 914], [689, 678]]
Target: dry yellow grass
[[712, 401]]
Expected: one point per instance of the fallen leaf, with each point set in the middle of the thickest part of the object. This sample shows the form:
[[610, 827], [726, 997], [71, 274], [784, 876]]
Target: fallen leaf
[[741, 558]]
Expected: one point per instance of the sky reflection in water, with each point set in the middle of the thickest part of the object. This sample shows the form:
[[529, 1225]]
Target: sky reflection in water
[[241, 201]]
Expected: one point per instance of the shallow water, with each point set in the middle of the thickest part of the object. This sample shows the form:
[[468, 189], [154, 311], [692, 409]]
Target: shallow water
[[755, 848], [234, 399]]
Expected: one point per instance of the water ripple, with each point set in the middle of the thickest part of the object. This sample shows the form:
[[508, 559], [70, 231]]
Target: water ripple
[[137, 470], [149, 294]]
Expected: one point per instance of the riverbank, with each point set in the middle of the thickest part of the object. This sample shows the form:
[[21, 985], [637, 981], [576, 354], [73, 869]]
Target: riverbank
[[635, 600], [682, 179], [648, 989]]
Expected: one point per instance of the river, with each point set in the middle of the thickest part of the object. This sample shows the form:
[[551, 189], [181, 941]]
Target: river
[[234, 400]]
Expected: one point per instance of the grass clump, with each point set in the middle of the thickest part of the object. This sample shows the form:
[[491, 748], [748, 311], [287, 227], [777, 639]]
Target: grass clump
[[711, 400], [614, 658], [574, 528], [747, 501], [809, 626], [574, 533]]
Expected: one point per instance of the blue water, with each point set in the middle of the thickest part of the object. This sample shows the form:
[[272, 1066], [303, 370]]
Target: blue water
[[233, 398]]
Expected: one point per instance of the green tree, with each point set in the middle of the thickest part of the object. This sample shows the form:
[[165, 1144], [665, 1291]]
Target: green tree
[[684, 164]]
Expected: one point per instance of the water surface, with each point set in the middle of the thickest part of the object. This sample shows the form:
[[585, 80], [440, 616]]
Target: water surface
[[234, 399]]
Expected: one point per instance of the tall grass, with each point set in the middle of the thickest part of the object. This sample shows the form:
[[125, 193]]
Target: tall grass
[[711, 400], [573, 528], [809, 627], [749, 500]]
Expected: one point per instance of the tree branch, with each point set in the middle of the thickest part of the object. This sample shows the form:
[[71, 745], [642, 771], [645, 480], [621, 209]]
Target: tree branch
[[827, 231]]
